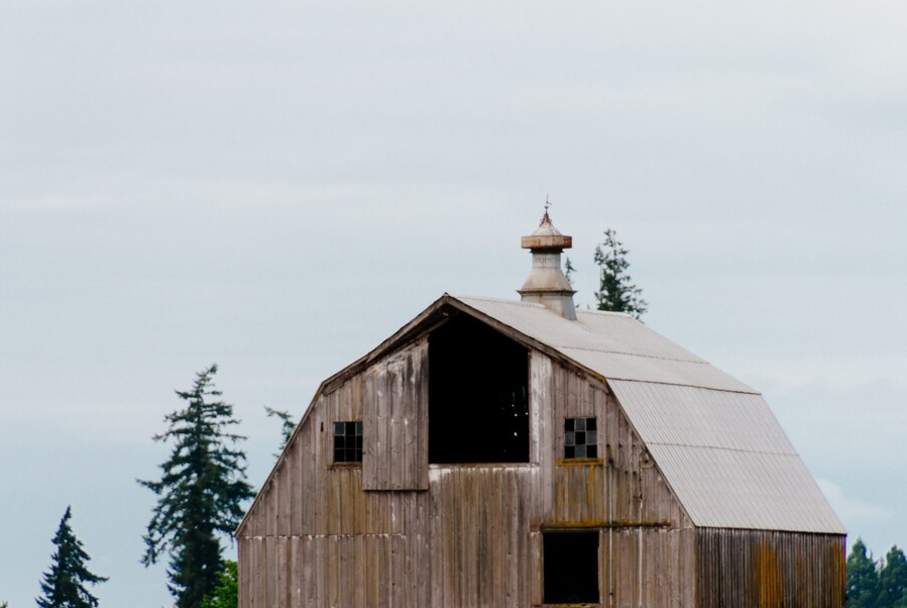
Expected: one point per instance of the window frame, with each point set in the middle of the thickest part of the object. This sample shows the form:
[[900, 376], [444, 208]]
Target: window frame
[[349, 453], [573, 427]]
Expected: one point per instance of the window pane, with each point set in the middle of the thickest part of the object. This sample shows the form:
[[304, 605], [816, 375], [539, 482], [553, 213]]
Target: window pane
[[347, 441], [569, 439], [580, 424], [590, 437], [580, 451], [568, 424], [591, 424], [591, 451], [569, 452]]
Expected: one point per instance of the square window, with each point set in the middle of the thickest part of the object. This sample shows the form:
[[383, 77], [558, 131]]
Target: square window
[[571, 567], [580, 438], [348, 441]]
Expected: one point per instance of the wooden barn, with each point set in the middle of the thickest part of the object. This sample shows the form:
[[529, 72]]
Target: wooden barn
[[498, 454]]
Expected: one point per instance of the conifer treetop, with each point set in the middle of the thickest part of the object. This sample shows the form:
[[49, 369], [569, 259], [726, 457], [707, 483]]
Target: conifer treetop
[[64, 585]]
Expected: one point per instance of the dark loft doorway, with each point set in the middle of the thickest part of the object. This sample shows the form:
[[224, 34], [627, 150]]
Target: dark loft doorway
[[478, 404]]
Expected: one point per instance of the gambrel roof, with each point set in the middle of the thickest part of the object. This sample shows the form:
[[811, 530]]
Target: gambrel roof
[[714, 438]]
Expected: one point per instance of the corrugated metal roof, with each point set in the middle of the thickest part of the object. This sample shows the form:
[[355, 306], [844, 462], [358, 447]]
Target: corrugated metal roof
[[727, 458], [613, 345], [714, 438]]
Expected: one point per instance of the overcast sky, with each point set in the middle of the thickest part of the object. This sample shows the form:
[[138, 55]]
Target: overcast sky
[[278, 186]]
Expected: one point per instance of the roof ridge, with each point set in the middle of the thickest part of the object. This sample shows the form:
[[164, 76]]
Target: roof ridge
[[610, 313], [460, 296]]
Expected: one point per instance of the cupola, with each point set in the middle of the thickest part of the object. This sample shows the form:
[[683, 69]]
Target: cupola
[[546, 283]]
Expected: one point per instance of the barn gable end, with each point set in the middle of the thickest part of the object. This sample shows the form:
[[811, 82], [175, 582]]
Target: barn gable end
[[486, 519], [497, 454]]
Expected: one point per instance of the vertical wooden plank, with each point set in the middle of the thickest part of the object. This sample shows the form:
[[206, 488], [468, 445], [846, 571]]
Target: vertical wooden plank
[[395, 423]]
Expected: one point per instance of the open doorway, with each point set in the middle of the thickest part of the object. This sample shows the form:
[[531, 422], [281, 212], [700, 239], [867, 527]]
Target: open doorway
[[478, 403], [571, 567]]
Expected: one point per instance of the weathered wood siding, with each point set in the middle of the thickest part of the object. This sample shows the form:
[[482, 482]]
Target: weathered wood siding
[[395, 421], [324, 535], [646, 550], [762, 569], [622, 486]]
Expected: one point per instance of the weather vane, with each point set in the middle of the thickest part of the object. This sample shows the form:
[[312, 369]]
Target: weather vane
[[545, 217]]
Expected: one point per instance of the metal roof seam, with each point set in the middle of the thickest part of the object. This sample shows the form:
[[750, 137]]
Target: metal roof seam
[[718, 447], [629, 354], [678, 384]]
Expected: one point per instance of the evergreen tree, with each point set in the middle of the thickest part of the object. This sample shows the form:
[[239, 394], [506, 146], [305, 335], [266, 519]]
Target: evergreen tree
[[64, 585], [616, 292], [893, 580], [287, 426], [862, 578], [200, 492], [226, 594], [569, 269]]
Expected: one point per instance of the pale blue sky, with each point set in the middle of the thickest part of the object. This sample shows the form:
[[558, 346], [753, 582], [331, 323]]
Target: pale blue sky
[[279, 186]]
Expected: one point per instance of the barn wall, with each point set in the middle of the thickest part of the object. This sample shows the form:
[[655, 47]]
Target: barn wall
[[623, 485], [763, 569], [317, 538], [396, 421]]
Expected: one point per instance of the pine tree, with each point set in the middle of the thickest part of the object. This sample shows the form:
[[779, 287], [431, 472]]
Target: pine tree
[[862, 578], [569, 269], [893, 580], [616, 292], [226, 594], [64, 585], [287, 426], [200, 492]]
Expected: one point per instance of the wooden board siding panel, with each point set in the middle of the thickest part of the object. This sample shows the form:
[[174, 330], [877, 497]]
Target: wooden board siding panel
[[542, 449], [334, 571], [317, 538], [623, 486], [395, 420], [308, 494], [764, 569], [481, 552]]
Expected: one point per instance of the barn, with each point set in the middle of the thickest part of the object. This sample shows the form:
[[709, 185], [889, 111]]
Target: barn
[[497, 454]]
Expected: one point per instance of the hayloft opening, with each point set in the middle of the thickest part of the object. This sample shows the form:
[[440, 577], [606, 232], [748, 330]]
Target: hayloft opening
[[478, 404], [571, 567]]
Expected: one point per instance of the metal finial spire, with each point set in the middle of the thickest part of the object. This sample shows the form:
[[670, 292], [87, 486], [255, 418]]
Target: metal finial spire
[[546, 218]]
